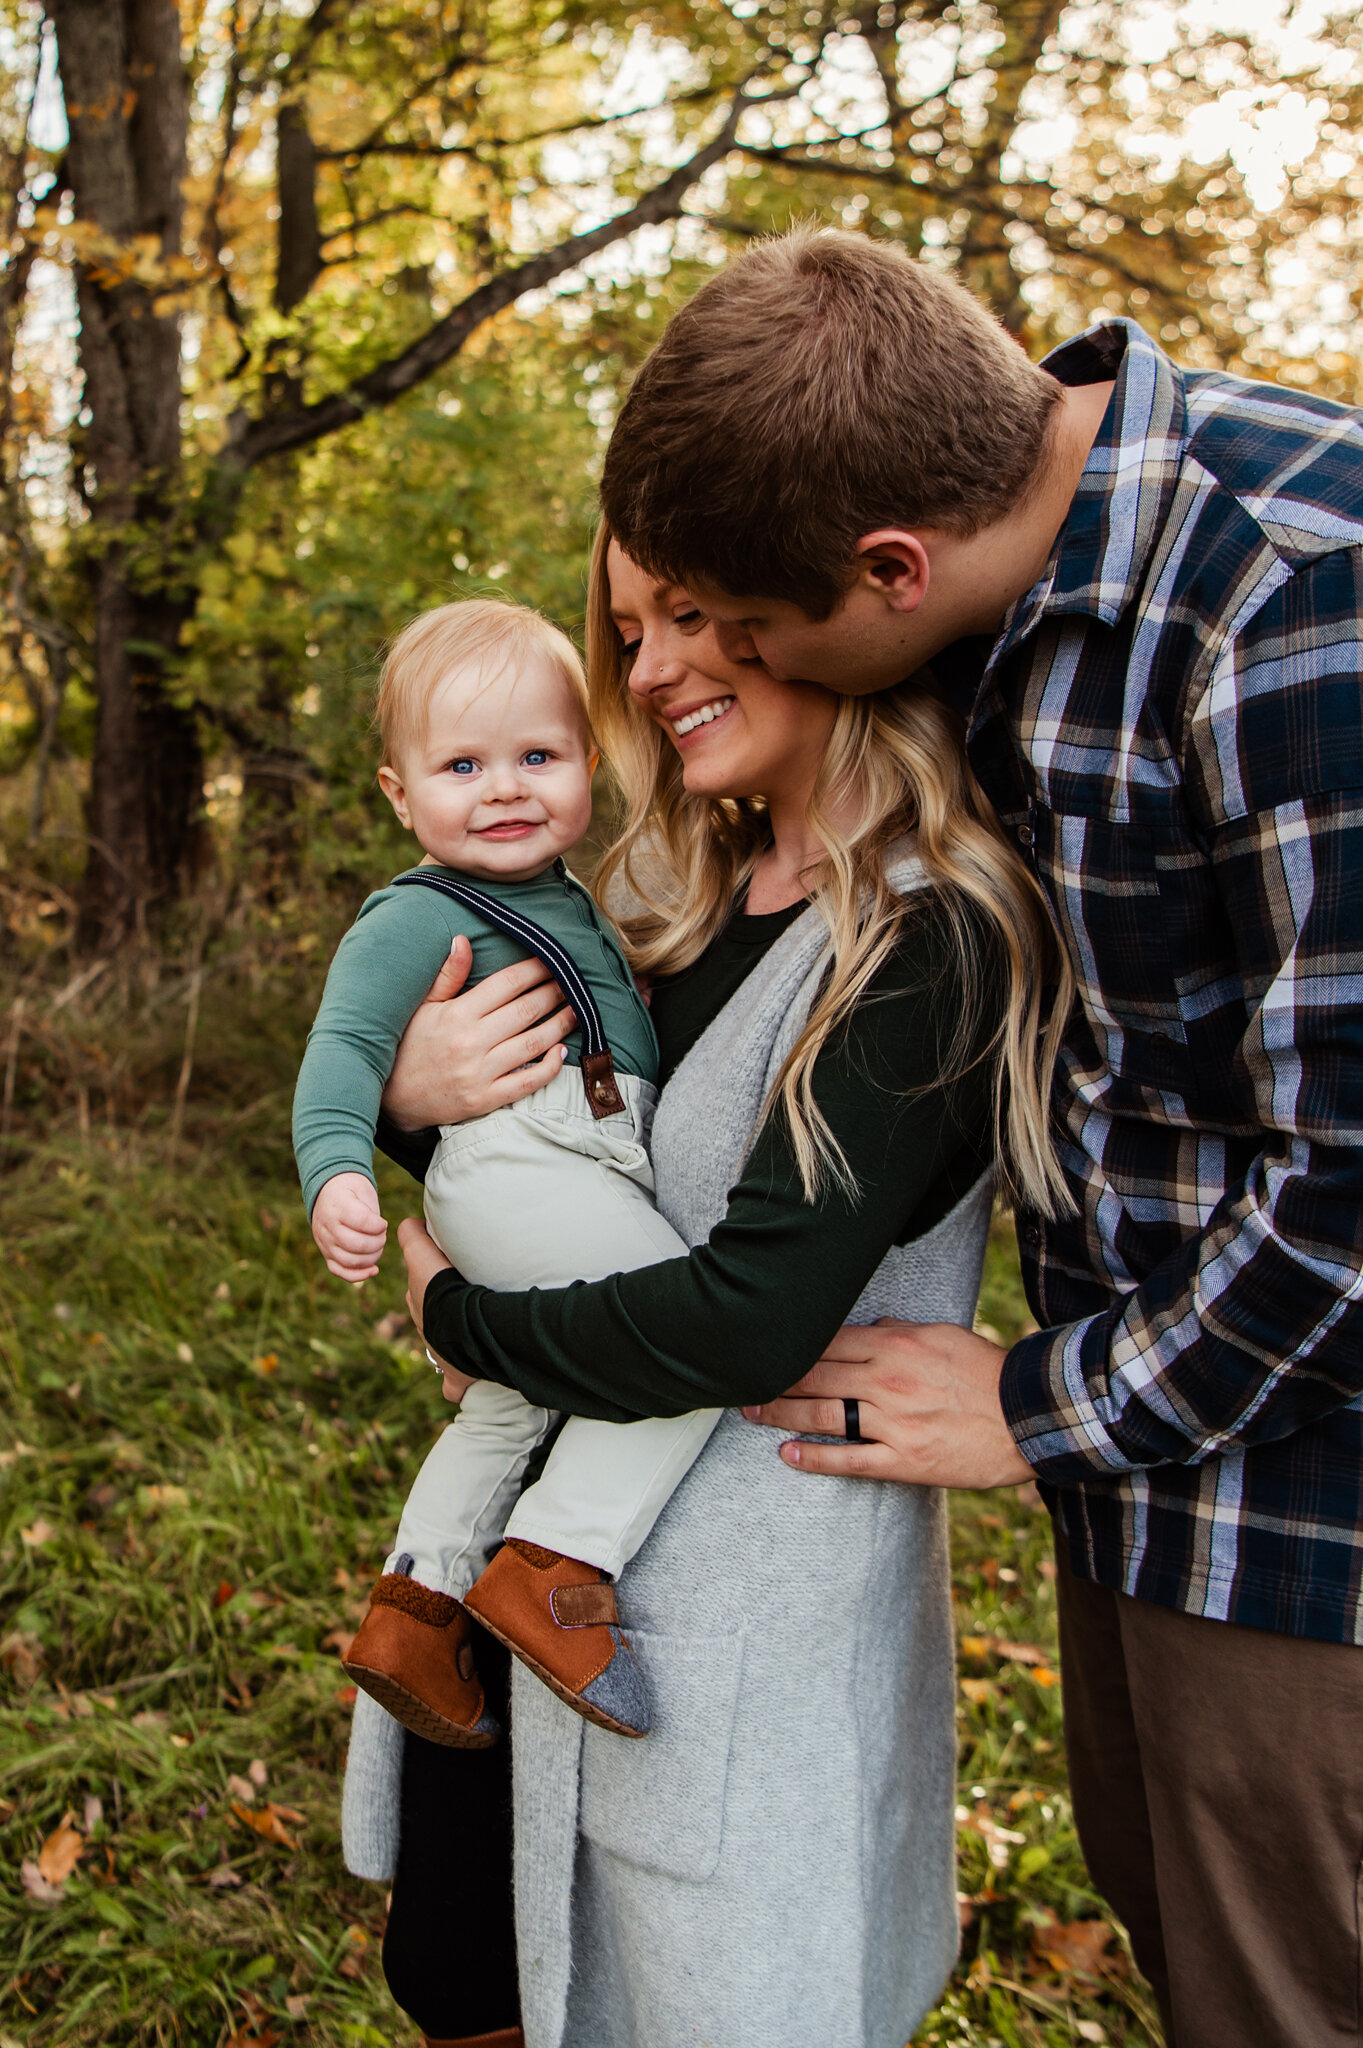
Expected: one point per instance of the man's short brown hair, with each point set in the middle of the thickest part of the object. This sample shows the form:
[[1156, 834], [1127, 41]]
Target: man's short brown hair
[[820, 387]]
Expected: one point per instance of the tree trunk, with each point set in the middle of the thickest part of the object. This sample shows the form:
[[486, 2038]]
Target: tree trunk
[[126, 104]]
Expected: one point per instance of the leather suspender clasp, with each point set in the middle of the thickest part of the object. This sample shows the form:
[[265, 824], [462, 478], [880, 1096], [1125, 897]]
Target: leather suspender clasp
[[598, 1064]]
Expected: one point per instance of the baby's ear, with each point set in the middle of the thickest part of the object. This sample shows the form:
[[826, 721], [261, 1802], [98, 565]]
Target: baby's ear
[[391, 785]]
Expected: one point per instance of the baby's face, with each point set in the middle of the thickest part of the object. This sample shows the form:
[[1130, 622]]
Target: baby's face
[[502, 783]]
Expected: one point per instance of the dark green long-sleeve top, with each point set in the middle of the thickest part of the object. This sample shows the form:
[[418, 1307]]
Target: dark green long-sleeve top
[[751, 1310]]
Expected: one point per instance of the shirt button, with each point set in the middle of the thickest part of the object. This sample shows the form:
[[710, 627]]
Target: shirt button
[[1026, 836]]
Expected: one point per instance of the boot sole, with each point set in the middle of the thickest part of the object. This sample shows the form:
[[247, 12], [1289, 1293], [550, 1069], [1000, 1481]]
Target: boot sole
[[556, 1685], [413, 1713]]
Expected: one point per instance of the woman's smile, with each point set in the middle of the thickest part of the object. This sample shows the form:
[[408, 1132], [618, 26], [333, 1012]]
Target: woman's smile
[[685, 723]]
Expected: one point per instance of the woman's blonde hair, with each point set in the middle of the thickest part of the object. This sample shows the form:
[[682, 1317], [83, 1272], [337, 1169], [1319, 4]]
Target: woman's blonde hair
[[473, 630], [895, 764]]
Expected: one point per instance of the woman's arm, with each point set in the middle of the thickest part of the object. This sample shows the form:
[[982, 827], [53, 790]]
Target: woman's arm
[[751, 1310]]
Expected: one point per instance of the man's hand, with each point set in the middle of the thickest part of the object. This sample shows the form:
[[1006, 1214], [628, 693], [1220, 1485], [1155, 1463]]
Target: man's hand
[[463, 1055], [424, 1260], [348, 1228], [929, 1409]]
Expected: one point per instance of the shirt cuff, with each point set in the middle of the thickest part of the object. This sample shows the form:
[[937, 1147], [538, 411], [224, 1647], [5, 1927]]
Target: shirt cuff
[[1047, 1404], [445, 1310]]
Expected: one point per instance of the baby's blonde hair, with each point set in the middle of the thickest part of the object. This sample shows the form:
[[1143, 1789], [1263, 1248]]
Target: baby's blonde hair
[[454, 636]]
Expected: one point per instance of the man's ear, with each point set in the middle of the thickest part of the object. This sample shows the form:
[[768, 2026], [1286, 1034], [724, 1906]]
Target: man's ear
[[893, 565], [391, 785]]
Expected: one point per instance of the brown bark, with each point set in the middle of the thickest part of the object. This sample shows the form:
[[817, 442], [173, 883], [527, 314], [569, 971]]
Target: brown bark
[[124, 87]]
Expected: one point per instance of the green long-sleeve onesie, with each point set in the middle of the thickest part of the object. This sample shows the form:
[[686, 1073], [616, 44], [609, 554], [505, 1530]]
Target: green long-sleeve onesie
[[382, 972]]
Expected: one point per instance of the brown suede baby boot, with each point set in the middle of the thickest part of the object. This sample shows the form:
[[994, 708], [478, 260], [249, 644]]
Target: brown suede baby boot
[[505, 2037], [413, 1654], [559, 1617]]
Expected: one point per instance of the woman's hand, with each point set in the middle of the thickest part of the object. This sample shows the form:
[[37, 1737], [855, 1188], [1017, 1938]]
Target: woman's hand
[[424, 1260], [928, 1402], [464, 1055]]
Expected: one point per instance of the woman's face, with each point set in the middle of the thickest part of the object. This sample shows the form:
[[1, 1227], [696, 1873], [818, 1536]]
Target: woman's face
[[738, 730]]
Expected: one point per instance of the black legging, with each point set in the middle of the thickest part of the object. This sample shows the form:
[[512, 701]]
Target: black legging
[[450, 1950]]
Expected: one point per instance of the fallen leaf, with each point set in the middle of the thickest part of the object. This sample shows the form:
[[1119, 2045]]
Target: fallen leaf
[[1021, 1653], [62, 1851], [241, 1788], [339, 1640], [1045, 1677], [346, 1695], [7, 1811], [150, 1717], [257, 1773], [268, 1820], [36, 1885], [153, 1500], [350, 1966], [224, 1593], [1088, 2030], [181, 1741], [268, 1364], [1072, 1948], [223, 1877], [21, 1655], [41, 1532], [222, 1292], [185, 1354], [94, 1812], [390, 1327], [296, 2006], [978, 1690], [267, 2039]]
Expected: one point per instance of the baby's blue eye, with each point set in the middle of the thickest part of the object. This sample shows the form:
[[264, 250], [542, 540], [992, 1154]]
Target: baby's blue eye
[[536, 758], [463, 766]]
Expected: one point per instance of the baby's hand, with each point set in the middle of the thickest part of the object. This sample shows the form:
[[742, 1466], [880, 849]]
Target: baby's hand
[[349, 1230]]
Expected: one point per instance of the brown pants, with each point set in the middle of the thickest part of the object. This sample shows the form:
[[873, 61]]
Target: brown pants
[[1217, 1775]]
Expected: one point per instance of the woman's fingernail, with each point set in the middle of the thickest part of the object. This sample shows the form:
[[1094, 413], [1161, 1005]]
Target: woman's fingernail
[[563, 1052], [752, 1414], [791, 1453]]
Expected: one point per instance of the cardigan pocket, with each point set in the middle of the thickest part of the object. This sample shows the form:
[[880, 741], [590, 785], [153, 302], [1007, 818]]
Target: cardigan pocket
[[659, 1803]]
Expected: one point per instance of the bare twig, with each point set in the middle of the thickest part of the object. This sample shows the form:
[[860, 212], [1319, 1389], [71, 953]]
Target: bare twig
[[16, 1020], [187, 1061]]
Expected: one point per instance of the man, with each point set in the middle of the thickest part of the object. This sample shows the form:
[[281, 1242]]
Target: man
[[1143, 589]]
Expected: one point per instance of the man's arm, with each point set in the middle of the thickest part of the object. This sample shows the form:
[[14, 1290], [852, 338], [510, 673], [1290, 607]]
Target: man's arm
[[1252, 1329]]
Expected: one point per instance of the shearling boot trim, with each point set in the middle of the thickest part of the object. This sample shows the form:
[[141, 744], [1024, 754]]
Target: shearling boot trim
[[395, 1589], [536, 1556]]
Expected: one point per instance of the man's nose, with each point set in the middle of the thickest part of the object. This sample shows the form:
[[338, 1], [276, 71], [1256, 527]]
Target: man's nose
[[736, 643]]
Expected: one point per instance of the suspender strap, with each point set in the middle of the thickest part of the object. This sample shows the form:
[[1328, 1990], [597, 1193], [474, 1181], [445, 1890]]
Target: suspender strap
[[598, 1066]]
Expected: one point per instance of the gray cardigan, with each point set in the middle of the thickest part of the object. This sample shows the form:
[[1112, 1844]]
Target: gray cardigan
[[773, 1866]]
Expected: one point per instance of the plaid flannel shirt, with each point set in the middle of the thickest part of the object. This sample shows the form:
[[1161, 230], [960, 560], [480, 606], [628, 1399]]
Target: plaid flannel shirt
[[1172, 723]]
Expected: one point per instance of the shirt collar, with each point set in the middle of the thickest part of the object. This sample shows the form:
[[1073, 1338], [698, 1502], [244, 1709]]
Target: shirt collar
[[1104, 547]]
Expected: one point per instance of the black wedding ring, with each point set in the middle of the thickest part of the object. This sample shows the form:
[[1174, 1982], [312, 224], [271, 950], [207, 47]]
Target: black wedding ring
[[851, 1415]]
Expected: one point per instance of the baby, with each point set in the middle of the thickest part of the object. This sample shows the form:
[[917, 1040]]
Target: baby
[[488, 760]]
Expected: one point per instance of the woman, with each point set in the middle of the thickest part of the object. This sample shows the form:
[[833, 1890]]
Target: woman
[[848, 961]]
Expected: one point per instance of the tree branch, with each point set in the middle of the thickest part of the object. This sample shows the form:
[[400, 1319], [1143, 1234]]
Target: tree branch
[[252, 441]]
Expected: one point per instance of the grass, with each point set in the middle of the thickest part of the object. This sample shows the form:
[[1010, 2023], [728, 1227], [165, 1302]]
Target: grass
[[205, 1442]]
